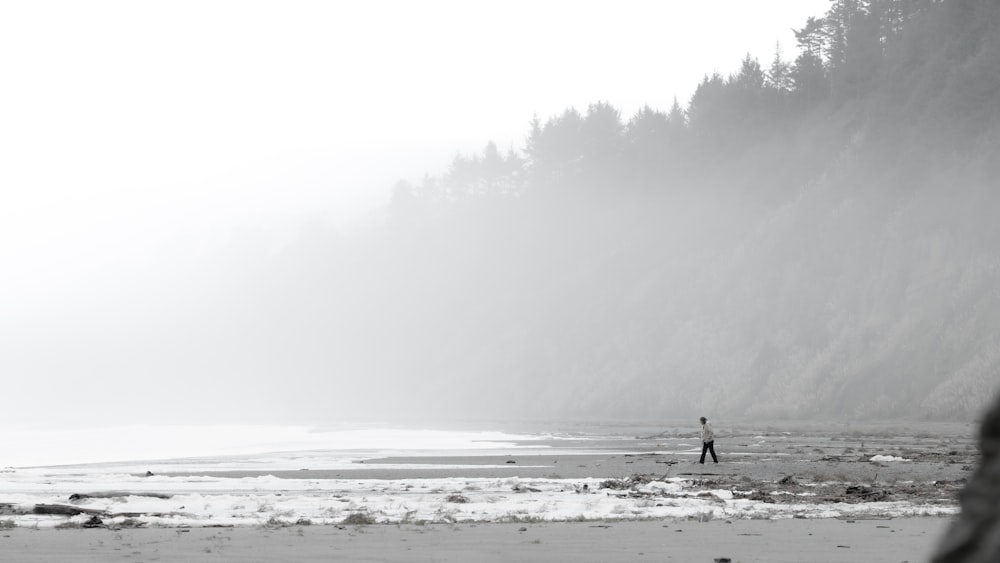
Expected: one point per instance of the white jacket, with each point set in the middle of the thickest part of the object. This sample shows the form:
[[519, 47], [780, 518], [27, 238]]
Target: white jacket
[[706, 433]]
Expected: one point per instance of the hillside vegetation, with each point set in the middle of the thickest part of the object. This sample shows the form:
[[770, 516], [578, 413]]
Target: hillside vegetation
[[813, 237]]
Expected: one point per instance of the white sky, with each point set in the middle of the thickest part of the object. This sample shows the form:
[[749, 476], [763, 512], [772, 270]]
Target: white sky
[[157, 116], [126, 127]]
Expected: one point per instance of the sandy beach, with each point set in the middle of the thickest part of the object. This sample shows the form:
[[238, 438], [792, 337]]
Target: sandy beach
[[772, 541]]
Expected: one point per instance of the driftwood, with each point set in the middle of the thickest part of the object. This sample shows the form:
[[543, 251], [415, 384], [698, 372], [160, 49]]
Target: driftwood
[[115, 494], [70, 510], [148, 514], [65, 510], [524, 489]]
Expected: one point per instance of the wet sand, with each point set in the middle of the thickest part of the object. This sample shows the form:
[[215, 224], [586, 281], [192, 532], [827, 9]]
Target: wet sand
[[938, 459], [744, 541]]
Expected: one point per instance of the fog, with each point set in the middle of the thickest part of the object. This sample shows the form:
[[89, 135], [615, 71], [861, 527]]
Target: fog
[[296, 241]]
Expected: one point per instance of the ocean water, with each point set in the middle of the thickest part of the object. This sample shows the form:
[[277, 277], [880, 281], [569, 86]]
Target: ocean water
[[47, 447]]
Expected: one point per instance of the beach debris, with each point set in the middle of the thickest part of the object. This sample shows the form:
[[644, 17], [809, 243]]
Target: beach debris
[[457, 498], [788, 480], [582, 489], [630, 483], [866, 493], [76, 497], [518, 488], [130, 523], [510, 461], [757, 495], [722, 560], [10, 509], [358, 519]]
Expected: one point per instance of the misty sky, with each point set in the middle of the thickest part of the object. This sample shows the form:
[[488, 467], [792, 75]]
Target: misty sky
[[129, 117], [126, 127]]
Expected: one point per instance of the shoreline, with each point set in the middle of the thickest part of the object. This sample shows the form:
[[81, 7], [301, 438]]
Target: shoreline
[[613, 478], [822, 497]]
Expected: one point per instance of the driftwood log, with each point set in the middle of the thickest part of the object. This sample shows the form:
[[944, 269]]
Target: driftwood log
[[70, 510], [975, 536], [65, 510], [115, 494]]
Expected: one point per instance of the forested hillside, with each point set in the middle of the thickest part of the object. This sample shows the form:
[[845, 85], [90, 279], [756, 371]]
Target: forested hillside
[[807, 237]]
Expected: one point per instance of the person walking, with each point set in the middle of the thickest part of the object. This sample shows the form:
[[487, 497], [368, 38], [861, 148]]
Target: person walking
[[707, 440]]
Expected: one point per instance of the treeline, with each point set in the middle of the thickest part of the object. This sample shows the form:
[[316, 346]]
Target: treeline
[[811, 236], [919, 73]]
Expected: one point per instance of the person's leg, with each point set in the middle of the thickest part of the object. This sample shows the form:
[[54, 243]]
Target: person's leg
[[704, 448], [711, 448]]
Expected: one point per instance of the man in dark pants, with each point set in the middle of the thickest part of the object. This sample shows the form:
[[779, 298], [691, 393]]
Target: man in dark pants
[[707, 440]]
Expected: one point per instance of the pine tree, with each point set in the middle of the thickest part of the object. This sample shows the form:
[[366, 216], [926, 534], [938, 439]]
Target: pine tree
[[779, 76]]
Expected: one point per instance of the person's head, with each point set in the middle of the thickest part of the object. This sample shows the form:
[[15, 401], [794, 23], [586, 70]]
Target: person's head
[[703, 420]]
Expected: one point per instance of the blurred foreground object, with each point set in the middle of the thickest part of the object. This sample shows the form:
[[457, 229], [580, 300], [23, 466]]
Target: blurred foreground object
[[975, 536]]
